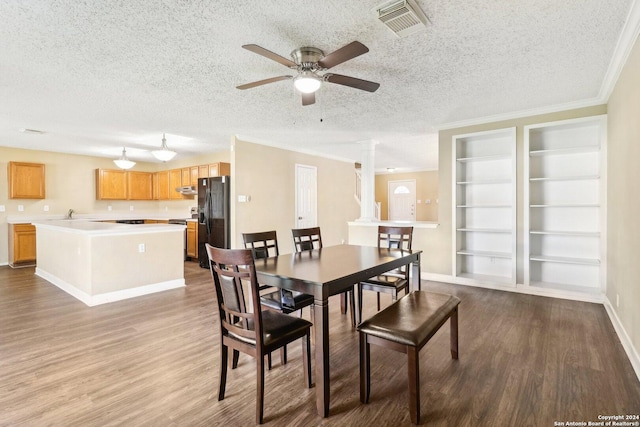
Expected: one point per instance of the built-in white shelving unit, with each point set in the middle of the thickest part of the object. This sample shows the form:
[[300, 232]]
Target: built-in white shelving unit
[[565, 198], [484, 211]]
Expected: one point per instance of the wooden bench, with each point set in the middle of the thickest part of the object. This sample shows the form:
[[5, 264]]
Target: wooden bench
[[406, 326]]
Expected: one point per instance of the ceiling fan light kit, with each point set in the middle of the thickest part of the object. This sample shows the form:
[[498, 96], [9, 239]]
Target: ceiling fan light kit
[[309, 62], [164, 154], [123, 162]]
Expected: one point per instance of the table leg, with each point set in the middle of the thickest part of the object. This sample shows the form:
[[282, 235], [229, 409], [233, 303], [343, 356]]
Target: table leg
[[415, 274], [321, 325]]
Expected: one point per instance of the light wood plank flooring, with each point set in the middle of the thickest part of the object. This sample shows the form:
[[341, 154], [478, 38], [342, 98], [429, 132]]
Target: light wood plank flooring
[[154, 360]]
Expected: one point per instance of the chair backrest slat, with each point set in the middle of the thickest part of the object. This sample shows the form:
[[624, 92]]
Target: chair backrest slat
[[262, 244], [394, 237], [306, 239]]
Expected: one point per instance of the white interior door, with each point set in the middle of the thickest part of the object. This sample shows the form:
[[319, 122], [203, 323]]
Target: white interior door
[[402, 200], [306, 196]]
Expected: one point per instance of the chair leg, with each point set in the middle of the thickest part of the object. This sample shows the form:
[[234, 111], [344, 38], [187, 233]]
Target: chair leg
[[283, 355], [306, 358], [269, 361], [236, 356], [365, 368], [453, 323], [359, 286], [260, 389], [352, 306], [223, 371], [343, 303], [378, 296], [414, 383]]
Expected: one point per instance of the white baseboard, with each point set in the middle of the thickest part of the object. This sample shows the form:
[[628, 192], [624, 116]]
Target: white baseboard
[[632, 354], [93, 300]]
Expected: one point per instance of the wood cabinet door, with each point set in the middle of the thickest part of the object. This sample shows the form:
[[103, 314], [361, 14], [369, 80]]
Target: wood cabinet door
[[193, 178], [192, 239], [203, 171], [186, 177], [140, 185], [219, 169], [175, 180], [24, 243], [26, 180], [111, 184], [163, 185]]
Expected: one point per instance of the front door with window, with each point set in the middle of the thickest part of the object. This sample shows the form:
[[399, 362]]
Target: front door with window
[[402, 200]]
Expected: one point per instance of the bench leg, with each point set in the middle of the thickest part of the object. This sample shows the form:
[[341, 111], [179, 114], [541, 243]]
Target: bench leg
[[365, 368], [453, 321], [414, 383]]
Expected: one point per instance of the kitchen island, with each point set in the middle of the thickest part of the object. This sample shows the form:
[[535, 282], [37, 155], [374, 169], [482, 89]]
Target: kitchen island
[[101, 262]]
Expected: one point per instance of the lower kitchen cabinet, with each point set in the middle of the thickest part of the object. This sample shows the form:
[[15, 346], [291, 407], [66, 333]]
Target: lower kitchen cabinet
[[22, 245], [192, 239]]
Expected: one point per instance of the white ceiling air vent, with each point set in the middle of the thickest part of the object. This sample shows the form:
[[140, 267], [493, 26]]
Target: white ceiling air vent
[[403, 17]]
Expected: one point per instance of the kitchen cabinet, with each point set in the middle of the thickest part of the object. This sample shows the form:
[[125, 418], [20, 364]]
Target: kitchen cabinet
[[193, 176], [26, 180], [111, 184], [214, 169], [186, 176], [203, 171], [22, 245], [192, 239], [163, 185], [175, 180], [140, 185]]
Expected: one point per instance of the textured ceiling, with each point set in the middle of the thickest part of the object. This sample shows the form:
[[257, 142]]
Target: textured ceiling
[[99, 75]]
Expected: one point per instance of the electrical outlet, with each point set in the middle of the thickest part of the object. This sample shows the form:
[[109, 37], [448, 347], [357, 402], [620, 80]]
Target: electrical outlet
[[131, 208], [46, 208], [2, 208], [142, 248], [20, 208], [109, 208]]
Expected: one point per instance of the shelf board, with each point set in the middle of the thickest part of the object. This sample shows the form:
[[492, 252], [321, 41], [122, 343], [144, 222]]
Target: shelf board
[[488, 279], [566, 178], [565, 151], [485, 182], [483, 206], [566, 287], [567, 233], [564, 260], [485, 254], [567, 205], [484, 158], [485, 230]]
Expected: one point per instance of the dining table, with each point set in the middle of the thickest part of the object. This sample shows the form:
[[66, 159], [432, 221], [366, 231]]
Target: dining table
[[330, 271]]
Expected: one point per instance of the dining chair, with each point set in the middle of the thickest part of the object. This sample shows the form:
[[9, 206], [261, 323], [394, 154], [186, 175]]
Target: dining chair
[[245, 327], [265, 245], [394, 281], [308, 239]]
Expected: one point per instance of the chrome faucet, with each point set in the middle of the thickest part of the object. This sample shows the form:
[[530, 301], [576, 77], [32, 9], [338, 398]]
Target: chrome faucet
[[70, 214]]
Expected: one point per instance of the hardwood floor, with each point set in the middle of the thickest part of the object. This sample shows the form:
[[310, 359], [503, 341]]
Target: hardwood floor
[[153, 361]]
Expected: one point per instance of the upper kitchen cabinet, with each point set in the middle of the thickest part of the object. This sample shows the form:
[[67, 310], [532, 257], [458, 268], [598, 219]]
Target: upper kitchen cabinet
[[175, 181], [140, 185], [162, 185], [123, 185], [26, 180], [111, 184], [219, 169]]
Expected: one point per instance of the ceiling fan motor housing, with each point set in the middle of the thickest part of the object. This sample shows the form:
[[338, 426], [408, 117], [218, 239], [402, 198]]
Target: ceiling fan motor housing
[[307, 58]]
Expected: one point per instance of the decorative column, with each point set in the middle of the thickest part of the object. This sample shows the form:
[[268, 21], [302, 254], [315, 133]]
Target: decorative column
[[368, 183]]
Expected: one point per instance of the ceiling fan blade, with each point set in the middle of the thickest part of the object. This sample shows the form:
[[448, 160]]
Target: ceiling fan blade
[[263, 82], [352, 82], [268, 54], [343, 54], [308, 98]]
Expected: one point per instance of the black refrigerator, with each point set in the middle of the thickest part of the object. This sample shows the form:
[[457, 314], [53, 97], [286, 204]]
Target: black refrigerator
[[213, 215]]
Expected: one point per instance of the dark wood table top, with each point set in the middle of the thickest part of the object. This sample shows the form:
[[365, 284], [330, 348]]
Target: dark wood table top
[[328, 271]]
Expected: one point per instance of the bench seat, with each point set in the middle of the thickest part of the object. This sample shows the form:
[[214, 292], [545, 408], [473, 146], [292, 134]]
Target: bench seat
[[406, 326]]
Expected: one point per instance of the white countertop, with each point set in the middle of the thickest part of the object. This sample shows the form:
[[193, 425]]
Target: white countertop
[[20, 219], [83, 226]]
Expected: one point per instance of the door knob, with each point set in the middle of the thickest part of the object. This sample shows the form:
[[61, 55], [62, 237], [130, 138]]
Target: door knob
[[299, 217]]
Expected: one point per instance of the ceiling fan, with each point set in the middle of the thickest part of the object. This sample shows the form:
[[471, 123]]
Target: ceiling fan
[[309, 62]]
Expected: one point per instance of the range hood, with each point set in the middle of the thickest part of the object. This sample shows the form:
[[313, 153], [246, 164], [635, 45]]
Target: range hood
[[187, 190]]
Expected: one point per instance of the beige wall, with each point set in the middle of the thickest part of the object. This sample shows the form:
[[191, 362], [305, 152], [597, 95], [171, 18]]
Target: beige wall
[[70, 184], [623, 219], [426, 189], [267, 174], [443, 234]]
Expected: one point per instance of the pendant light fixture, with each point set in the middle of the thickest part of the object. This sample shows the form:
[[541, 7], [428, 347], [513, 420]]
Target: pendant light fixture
[[123, 162], [163, 154]]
